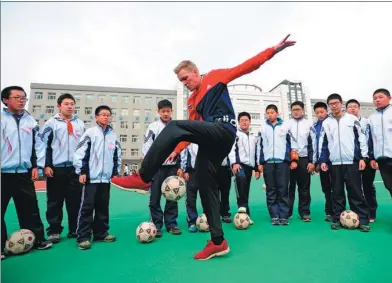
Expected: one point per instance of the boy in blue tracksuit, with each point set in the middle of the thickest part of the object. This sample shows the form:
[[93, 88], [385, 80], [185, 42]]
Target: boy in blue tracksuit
[[61, 135], [97, 159], [380, 124], [347, 152], [321, 111], [21, 150], [274, 158]]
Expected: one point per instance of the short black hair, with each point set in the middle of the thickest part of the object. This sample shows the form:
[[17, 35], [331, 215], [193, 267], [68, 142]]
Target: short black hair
[[164, 103], [320, 104], [102, 107], [334, 96], [65, 96], [299, 103], [273, 107], [242, 114], [353, 101], [382, 90], [5, 93]]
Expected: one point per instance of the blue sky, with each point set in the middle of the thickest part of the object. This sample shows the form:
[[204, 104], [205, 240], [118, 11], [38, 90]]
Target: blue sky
[[342, 47]]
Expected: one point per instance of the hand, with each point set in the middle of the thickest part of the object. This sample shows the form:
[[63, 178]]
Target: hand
[[180, 172], [48, 172], [186, 177], [283, 44], [311, 167], [82, 179], [362, 165], [236, 168], [293, 165], [374, 164], [260, 168], [171, 158], [257, 175], [324, 167], [34, 174]]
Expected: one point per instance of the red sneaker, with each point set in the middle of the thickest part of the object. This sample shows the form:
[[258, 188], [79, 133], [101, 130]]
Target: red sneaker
[[132, 183], [212, 250]]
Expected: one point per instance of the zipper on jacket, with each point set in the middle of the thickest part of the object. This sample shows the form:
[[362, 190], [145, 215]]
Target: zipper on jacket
[[20, 153], [340, 147], [382, 132], [273, 143], [103, 154]]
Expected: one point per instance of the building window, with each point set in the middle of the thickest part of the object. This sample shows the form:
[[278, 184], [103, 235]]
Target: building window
[[51, 96], [148, 100], [255, 116], [89, 97], [124, 112], [77, 110], [134, 167], [137, 100], [114, 112], [124, 152], [136, 125], [102, 99], [87, 124], [123, 138], [125, 99], [124, 124], [38, 95], [134, 152], [36, 108], [49, 110], [88, 110], [147, 113], [77, 96], [136, 112], [146, 125], [135, 138]]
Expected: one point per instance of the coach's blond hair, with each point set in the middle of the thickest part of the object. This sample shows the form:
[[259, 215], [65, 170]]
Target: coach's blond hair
[[186, 64]]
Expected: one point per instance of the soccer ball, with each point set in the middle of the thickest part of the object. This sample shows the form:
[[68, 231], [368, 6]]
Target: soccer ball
[[173, 188], [349, 219], [146, 232], [21, 241], [202, 223], [241, 221]]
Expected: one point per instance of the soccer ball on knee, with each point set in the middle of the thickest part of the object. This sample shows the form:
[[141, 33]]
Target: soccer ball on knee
[[146, 232], [241, 221], [349, 219], [202, 223], [173, 188], [21, 241]]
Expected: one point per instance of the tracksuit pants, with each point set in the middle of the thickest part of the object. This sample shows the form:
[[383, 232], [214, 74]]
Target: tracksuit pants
[[94, 212], [191, 197], [300, 177], [224, 185], [326, 186], [350, 176], [20, 188], [385, 166], [63, 186], [242, 183], [215, 142], [169, 216], [369, 190], [276, 177]]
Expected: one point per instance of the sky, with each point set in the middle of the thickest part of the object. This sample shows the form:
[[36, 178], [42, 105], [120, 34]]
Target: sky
[[341, 47]]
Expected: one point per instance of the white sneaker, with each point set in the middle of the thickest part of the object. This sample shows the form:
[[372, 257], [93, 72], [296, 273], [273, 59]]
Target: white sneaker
[[251, 222], [242, 210]]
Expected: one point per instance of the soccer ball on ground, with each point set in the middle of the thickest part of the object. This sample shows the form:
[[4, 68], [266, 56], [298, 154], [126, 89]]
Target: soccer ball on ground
[[146, 232], [349, 219], [173, 188], [202, 223], [21, 241], [241, 221]]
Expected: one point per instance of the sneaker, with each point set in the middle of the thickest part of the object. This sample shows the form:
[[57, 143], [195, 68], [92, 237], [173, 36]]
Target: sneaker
[[284, 222], [192, 228], [158, 234], [251, 222], [275, 221], [43, 245], [226, 219], [107, 239], [336, 225], [241, 210], [328, 218], [85, 245], [174, 230], [54, 238], [2, 256], [132, 183], [364, 227], [71, 235], [212, 250], [372, 220], [306, 218]]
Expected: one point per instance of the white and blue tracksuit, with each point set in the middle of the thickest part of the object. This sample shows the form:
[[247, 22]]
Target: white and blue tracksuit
[[244, 154], [60, 146], [21, 151], [347, 145], [98, 155], [303, 141], [273, 151], [170, 214], [380, 124]]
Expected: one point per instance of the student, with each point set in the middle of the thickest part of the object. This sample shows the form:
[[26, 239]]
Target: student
[[275, 159], [170, 215], [303, 141], [343, 144], [321, 111], [368, 175], [97, 159], [60, 135], [126, 170], [243, 162], [381, 136], [21, 147]]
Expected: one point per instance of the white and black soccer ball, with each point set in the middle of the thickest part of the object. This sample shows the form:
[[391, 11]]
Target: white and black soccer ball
[[241, 221], [349, 219], [202, 223], [146, 232], [21, 241], [173, 188]]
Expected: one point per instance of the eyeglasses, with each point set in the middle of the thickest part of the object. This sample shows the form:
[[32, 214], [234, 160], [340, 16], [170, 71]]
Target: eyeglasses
[[105, 115], [334, 103], [19, 98], [296, 109]]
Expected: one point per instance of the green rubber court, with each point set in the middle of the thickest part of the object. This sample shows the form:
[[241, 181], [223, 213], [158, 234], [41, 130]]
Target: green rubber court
[[299, 253]]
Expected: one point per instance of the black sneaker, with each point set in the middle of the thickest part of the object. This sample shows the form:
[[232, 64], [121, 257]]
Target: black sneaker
[[275, 221], [174, 230], [226, 219], [336, 225], [54, 238], [364, 227], [284, 222], [71, 235], [43, 245], [328, 218], [158, 234], [306, 218]]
